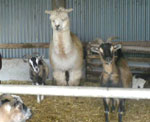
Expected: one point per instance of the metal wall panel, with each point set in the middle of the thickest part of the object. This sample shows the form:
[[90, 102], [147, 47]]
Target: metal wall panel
[[127, 19], [24, 21]]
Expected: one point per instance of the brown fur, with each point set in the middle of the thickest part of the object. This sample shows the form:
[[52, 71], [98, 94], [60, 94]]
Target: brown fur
[[125, 73], [10, 112]]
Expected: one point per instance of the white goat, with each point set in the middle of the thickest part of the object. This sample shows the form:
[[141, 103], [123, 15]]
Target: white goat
[[66, 52], [138, 82]]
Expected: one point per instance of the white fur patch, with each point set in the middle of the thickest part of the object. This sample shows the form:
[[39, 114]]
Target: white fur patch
[[65, 63], [138, 82], [8, 108]]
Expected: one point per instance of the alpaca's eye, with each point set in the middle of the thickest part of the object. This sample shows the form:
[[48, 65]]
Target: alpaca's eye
[[53, 20], [64, 19]]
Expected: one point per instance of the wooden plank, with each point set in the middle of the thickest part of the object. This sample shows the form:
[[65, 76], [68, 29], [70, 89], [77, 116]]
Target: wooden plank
[[138, 59], [127, 43], [135, 59], [133, 43], [136, 49], [25, 45]]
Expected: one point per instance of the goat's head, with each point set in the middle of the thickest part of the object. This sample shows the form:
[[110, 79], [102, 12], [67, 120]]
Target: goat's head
[[34, 63], [12, 109], [0, 61], [59, 19], [106, 50]]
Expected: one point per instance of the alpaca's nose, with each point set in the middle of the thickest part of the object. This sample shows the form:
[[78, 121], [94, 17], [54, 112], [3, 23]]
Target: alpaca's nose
[[57, 27]]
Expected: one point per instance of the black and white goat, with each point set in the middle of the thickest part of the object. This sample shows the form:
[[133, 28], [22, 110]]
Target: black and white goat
[[116, 73], [39, 72], [12, 109]]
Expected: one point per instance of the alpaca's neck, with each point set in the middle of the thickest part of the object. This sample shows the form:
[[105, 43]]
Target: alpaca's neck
[[62, 42], [62, 35]]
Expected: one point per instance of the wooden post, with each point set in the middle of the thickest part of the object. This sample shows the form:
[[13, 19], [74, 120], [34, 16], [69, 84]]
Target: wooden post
[[58, 3]]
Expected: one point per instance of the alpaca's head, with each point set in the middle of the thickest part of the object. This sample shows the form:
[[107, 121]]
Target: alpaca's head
[[60, 19]]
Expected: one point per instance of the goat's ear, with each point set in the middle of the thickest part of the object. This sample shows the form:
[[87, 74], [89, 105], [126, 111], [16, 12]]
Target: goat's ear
[[95, 50], [117, 47], [41, 57], [109, 40], [48, 12], [69, 10]]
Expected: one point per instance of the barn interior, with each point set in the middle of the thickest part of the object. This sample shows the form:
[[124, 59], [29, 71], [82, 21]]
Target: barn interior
[[26, 29]]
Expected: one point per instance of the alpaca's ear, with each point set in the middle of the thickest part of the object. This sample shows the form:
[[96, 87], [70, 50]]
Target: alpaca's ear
[[48, 12], [69, 10]]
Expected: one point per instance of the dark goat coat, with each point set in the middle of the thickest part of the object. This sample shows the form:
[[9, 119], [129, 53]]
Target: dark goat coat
[[42, 75]]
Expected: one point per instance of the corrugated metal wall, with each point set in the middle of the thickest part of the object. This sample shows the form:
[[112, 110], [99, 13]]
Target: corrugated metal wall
[[127, 19], [24, 21]]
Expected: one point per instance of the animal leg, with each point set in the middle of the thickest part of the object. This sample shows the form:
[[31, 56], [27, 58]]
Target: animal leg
[[120, 110], [42, 96], [38, 96], [112, 105], [106, 108], [38, 99], [59, 76], [67, 77], [75, 76]]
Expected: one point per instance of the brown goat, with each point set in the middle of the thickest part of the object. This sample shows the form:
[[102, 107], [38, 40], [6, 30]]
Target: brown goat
[[116, 73], [12, 109]]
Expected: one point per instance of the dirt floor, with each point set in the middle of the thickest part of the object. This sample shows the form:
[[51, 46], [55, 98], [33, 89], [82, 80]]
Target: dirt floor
[[80, 109]]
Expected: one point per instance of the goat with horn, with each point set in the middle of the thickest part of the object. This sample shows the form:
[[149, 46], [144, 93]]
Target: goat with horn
[[39, 71], [116, 73]]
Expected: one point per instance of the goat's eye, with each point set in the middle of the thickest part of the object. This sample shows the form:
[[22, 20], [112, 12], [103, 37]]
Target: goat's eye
[[101, 50], [112, 48]]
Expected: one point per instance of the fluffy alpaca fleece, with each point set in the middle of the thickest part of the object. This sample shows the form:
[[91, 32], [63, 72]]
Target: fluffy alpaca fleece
[[66, 53]]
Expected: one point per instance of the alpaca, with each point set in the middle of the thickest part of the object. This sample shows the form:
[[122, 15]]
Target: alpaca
[[66, 51]]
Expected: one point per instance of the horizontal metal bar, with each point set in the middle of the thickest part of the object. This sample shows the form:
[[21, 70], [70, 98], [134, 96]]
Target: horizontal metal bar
[[76, 91]]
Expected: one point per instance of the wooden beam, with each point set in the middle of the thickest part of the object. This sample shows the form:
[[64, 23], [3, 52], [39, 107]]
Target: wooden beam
[[127, 43], [25, 45], [133, 43]]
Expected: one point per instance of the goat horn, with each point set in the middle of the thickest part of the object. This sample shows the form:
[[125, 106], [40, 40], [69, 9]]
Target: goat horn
[[99, 40], [111, 38], [25, 57], [35, 54]]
